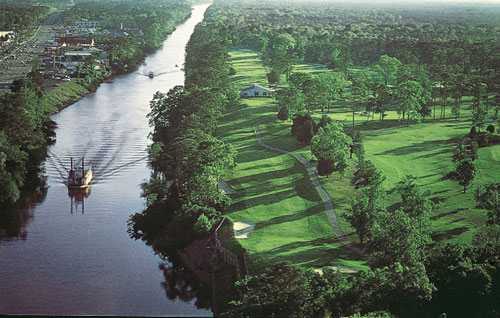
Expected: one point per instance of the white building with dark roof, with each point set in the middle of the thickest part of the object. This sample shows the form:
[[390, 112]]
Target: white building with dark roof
[[256, 91]]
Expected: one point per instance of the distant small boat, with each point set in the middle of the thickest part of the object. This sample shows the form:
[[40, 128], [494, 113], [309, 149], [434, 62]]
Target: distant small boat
[[151, 74], [176, 65], [79, 177]]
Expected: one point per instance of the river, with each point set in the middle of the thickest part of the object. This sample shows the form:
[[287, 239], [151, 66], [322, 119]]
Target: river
[[73, 255]]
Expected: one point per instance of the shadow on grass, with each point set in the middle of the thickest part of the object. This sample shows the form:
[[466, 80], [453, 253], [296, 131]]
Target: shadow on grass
[[303, 185], [259, 178], [316, 253], [245, 55], [442, 215], [448, 234], [291, 217], [420, 147], [265, 200], [368, 126], [249, 154]]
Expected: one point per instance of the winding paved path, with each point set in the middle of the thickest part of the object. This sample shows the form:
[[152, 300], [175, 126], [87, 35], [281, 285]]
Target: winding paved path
[[311, 171]]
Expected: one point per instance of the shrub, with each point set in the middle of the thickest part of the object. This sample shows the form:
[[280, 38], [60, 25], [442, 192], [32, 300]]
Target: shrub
[[283, 114], [490, 129], [325, 167], [202, 225], [322, 123], [298, 121], [305, 132], [473, 131]]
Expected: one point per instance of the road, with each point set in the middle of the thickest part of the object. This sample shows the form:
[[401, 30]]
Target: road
[[19, 62]]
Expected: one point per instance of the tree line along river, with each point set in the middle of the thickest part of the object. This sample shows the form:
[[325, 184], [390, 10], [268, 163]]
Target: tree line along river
[[73, 255]]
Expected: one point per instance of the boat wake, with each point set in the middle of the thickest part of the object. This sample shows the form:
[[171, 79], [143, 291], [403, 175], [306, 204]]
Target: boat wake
[[103, 170], [152, 74]]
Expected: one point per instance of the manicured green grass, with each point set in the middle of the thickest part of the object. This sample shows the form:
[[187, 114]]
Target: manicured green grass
[[424, 151], [272, 189], [249, 69]]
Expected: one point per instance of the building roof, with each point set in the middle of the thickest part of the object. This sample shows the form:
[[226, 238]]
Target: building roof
[[257, 86], [77, 53], [76, 40]]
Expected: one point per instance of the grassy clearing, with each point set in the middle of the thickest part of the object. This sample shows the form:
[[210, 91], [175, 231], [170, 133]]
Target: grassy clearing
[[272, 189]]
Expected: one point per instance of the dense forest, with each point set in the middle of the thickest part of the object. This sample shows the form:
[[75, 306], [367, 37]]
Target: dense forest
[[188, 160], [155, 18], [23, 136], [16, 15], [422, 61]]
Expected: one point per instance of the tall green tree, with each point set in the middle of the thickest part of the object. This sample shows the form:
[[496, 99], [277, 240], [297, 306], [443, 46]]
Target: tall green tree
[[292, 99], [411, 96], [333, 84], [465, 172], [414, 201], [365, 210], [282, 290], [398, 288], [387, 67], [488, 197], [479, 115], [397, 236], [331, 143]]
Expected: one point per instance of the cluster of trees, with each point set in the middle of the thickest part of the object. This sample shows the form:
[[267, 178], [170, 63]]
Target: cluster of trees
[[307, 93], [455, 280], [90, 76], [17, 15], [409, 275], [183, 197], [438, 54], [156, 18], [23, 136]]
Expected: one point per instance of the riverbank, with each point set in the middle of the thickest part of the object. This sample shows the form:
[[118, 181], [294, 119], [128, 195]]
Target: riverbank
[[68, 93], [78, 247]]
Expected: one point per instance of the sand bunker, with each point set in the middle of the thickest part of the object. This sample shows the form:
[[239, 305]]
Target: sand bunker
[[242, 230], [341, 268]]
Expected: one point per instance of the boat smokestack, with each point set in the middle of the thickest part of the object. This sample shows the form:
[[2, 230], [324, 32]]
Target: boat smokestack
[[71, 159]]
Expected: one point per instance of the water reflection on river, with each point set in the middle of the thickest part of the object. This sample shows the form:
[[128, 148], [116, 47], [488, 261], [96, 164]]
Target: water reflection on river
[[64, 261]]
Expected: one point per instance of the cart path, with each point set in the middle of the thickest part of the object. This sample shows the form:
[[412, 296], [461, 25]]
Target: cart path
[[311, 171]]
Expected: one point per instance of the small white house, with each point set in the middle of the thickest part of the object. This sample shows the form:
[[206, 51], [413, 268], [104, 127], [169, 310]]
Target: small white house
[[256, 91], [6, 37]]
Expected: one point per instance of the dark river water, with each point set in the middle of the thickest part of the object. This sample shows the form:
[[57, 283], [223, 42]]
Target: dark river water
[[73, 255]]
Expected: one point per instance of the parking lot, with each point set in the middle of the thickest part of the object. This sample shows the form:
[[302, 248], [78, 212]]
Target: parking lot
[[22, 56]]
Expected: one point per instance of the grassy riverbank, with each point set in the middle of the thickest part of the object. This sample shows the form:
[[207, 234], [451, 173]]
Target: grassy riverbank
[[65, 94]]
